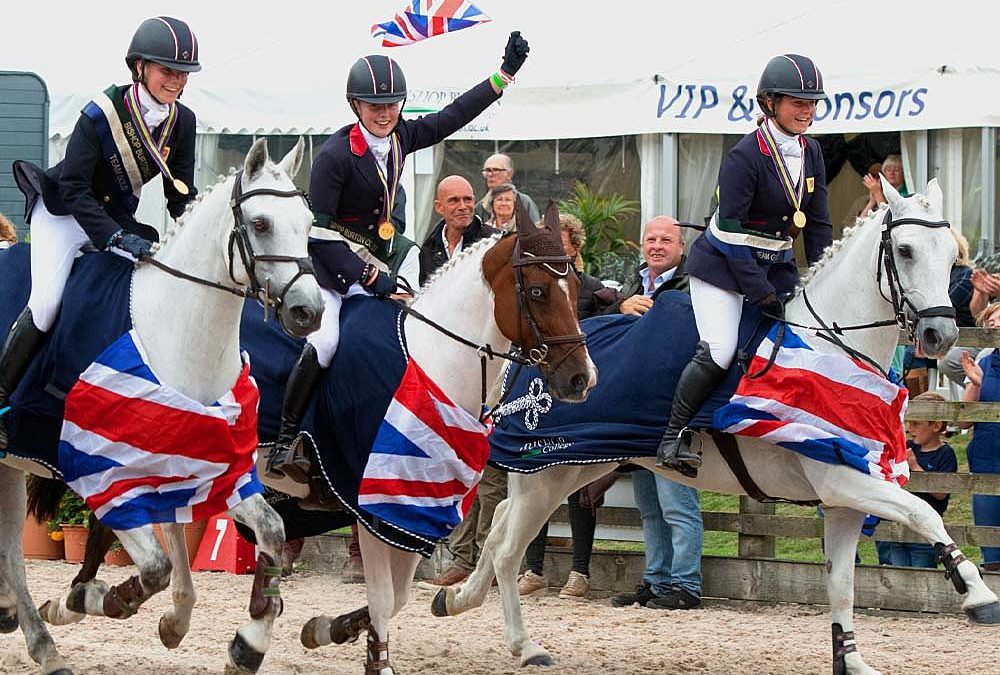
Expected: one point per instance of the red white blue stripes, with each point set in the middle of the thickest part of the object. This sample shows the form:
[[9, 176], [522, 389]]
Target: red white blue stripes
[[427, 459], [422, 19], [139, 452], [824, 405]]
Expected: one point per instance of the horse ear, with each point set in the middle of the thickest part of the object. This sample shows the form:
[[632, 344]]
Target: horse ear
[[891, 194], [523, 220], [550, 219], [291, 163], [935, 195], [256, 159]]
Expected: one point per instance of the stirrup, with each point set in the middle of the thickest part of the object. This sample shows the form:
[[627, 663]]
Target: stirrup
[[679, 457], [321, 497], [291, 460]]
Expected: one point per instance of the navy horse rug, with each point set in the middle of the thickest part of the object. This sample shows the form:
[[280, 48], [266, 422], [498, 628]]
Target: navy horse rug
[[393, 449], [811, 400]]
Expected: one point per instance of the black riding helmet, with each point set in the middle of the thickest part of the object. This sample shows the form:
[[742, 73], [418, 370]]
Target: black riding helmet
[[164, 40], [789, 75], [376, 79]]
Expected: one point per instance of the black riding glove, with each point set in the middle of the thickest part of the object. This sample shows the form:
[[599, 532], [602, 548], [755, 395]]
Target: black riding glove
[[131, 243], [771, 306], [383, 286], [515, 53]]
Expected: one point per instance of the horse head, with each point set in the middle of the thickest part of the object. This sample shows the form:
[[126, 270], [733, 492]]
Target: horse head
[[270, 236], [918, 252], [535, 290]]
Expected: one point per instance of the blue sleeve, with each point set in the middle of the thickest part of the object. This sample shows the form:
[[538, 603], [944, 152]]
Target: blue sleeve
[[76, 180], [818, 233], [326, 182], [960, 288], [737, 186], [429, 130]]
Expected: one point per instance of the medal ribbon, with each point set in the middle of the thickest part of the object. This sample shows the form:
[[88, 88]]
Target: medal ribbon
[[792, 192], [153, 146], [393, 165]]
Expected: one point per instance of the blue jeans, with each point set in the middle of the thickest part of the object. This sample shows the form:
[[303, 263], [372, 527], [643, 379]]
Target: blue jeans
[[986, 511], [906, 554], [672, 529]]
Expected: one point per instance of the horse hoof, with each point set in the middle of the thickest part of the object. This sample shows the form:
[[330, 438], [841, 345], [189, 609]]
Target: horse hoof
[[984, 615], [168, 636], [439, 605], [539, 660], [308, 635], [243, 657], [8, 620]]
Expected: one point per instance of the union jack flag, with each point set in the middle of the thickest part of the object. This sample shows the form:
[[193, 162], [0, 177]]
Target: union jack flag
[[827, 406], [140, 452], [422, 19], [427, 459]]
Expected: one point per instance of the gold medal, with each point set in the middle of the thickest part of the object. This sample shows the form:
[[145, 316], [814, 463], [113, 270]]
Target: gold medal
[[799, 219], [386, 230], [183, 189]]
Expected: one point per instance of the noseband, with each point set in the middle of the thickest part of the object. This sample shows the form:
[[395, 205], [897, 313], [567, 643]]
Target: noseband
[[239, 238], [538, 355]]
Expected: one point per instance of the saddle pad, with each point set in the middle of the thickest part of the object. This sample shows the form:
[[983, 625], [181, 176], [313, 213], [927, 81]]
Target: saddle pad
[[639, 361]]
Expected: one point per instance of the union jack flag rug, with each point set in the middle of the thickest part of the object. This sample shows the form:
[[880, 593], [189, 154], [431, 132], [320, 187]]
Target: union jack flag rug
[[140, 452], [824, 405], [427, 459]]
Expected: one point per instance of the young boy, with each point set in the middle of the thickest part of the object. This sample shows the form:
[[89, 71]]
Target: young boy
[[926, 452]]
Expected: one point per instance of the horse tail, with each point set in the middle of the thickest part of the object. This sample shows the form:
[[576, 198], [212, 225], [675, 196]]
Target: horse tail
[[43, 497]]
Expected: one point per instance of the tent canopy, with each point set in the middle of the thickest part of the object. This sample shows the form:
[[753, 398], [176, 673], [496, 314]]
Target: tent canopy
[[631, 67]]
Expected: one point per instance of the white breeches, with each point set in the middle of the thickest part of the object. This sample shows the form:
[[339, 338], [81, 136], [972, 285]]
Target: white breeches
[[327, 338], [717, 313], [55, 241]]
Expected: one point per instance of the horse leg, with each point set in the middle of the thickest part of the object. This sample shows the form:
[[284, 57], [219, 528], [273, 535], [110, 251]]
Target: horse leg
[[16, 605], [840, 486], [381, 592], [842, 527], [100, 537], [175, 622], [247, 649]]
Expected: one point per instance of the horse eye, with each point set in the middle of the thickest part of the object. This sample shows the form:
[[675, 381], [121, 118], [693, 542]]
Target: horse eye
[[261, 225], [536, 292], [905, 251]]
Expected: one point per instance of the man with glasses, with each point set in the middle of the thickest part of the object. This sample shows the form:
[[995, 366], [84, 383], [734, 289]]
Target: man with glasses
[[497, 170]]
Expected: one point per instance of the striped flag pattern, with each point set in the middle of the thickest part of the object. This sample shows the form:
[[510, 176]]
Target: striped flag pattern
[[827, 406], [422, 19], [426, 461], [140, 452]]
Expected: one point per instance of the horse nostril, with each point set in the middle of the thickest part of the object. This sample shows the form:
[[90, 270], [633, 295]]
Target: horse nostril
[[579, 382], [932, 337], [303, 316]]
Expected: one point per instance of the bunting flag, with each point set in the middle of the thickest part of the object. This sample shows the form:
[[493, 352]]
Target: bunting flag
[[427, 459], [422, 19], [140, 452], [827, 406]]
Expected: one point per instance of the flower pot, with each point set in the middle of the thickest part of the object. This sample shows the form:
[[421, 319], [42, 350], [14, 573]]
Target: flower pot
[[193, 532], [118, 556], [37, 542], [74, 541]]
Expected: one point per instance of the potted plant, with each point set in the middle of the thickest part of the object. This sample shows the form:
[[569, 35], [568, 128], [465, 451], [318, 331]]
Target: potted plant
[[40, 541], [71, 518], [117, 555], [601, 218]]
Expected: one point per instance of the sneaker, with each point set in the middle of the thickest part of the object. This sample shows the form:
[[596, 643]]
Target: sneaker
[[643, 594], [451, 576], [354, 571], [677, 598], [576, 588], [529, 583]]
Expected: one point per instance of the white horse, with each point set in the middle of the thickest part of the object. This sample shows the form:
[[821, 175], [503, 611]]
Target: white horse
[[490, 294], [245, 236], [923, 256]]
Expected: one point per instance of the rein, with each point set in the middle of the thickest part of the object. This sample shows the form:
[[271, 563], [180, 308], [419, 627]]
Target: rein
[[240, 237], [898, 298]]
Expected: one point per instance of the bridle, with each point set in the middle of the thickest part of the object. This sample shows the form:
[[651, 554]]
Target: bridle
[[898, 298], [538, 355], [239, 238]]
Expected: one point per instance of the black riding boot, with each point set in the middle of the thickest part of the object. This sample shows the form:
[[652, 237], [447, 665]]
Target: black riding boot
[[287, 457], [697, 381], [23, 341]]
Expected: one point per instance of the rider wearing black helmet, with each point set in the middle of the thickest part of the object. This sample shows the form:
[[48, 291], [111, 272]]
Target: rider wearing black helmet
[[772, 185], [354, 187], [124, 138]]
